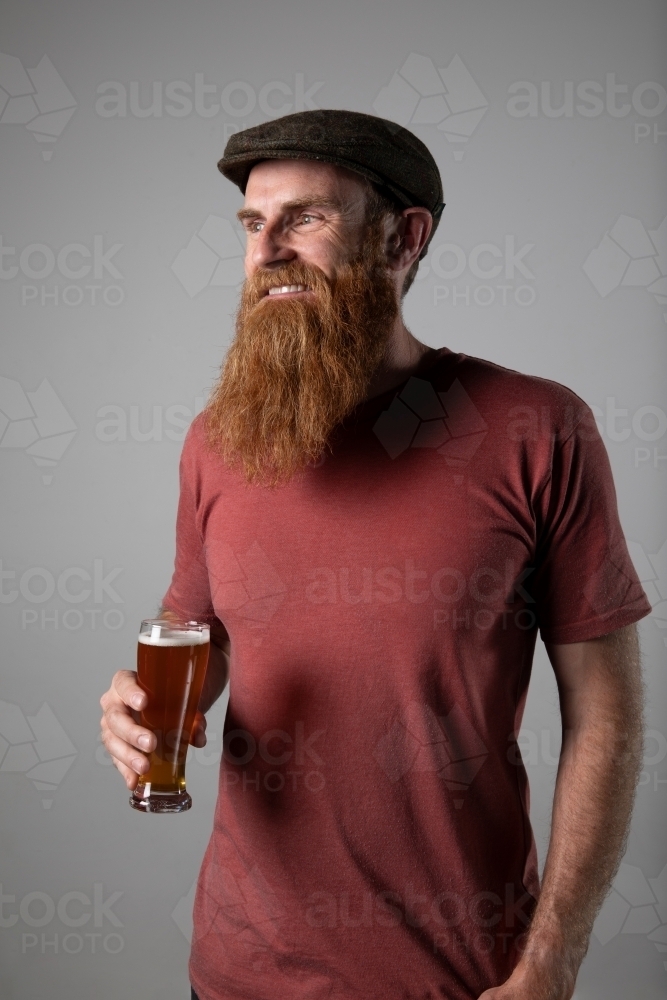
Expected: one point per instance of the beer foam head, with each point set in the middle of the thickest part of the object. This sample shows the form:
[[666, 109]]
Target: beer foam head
[[163, 635]]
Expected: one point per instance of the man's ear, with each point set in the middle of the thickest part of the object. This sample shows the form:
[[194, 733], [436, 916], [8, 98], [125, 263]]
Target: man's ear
[[407, 235]]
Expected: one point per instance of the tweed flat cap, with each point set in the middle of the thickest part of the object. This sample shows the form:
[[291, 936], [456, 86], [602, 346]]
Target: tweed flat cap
[[385, 153]]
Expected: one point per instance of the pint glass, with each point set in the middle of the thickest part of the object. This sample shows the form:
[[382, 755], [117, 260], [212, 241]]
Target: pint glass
[[171, 666]]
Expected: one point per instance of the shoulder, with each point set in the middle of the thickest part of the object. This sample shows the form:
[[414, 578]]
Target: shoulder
[[504, 394], [500, 381], [195, 447], [195, 439]]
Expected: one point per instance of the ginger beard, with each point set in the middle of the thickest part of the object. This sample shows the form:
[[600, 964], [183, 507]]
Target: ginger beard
[[299, 365]]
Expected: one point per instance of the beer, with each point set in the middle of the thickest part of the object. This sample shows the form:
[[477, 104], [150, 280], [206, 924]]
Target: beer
[[171, 666]]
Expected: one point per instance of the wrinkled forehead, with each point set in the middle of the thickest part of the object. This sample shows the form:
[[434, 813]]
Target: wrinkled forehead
[[286, 180]]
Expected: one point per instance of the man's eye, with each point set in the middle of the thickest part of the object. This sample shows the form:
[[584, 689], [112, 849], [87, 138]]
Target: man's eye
[[254, 227]]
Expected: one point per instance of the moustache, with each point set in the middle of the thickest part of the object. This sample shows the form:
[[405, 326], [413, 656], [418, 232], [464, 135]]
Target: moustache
[[310, 277]]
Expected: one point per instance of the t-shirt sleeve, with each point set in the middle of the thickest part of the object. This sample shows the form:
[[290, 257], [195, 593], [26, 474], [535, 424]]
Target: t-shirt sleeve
[[189, 593], [585, 583]]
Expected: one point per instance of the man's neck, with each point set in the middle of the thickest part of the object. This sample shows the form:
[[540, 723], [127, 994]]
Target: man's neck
[[403, 357]]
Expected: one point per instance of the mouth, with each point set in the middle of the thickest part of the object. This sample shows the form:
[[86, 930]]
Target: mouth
[[287, 290]]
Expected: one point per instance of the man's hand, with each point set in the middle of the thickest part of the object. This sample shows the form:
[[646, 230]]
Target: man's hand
[[128, 743], [600, 691], [546, 980]]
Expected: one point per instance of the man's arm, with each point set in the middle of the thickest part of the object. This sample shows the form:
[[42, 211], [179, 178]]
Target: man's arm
[[127, 742], [601, 697], [217, 671]]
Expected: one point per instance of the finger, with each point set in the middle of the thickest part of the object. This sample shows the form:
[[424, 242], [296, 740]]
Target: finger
[[126, 754], [128, 690], [121, 724], [130, 777]]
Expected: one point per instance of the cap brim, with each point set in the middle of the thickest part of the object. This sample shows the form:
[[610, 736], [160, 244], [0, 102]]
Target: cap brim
[[237, 168]]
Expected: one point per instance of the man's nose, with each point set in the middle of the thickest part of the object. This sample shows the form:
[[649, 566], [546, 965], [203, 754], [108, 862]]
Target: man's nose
[[270, 247]]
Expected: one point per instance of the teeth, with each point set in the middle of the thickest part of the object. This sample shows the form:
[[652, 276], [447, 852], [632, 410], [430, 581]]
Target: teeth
[[287, 288]]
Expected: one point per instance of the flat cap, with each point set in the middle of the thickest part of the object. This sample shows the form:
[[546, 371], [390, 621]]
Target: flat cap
[[384, 152]]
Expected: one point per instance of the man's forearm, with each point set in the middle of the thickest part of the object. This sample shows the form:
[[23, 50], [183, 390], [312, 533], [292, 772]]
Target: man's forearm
[[597, 777], [217, 674]]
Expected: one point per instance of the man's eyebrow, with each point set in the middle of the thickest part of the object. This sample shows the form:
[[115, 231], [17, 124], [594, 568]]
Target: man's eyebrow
[[312, 201]]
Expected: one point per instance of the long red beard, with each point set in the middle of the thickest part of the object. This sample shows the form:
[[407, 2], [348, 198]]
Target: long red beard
[[297, 367]]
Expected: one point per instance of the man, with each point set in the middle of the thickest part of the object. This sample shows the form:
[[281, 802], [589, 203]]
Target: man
[[376, 530]]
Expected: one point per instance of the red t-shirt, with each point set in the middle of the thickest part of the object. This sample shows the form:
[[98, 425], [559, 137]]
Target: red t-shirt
[[371, 835]]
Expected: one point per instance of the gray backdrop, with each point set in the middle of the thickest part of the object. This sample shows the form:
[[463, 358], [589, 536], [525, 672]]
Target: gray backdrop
[[120, 270]]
